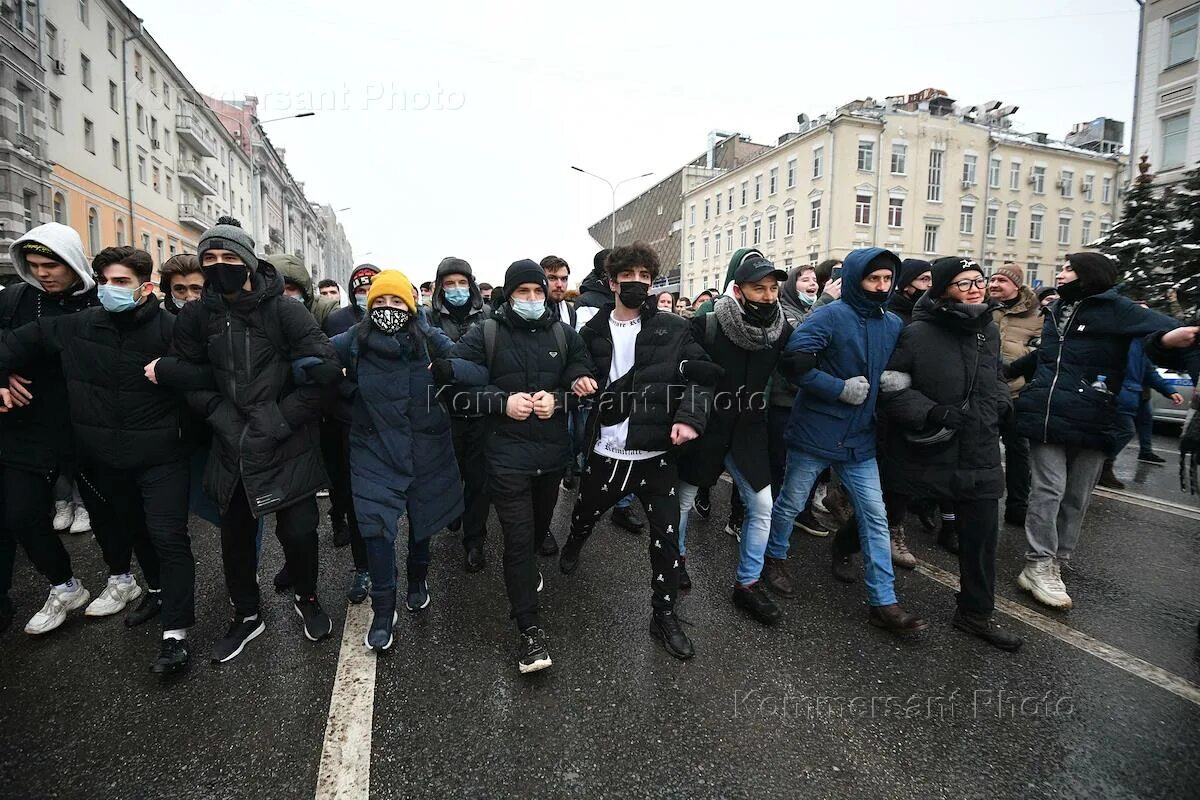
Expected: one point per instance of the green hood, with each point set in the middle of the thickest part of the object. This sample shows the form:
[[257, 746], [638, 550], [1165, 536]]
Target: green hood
[[291, 268], [734, 261]]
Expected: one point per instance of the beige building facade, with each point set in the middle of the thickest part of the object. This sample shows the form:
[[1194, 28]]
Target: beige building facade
[[1166, 123], [921, 184]]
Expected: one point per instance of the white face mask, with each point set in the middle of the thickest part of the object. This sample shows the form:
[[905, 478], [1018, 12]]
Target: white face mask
[[178, 303]]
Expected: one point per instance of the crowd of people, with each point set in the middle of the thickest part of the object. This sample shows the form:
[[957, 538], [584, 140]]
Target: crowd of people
[[857, 391]]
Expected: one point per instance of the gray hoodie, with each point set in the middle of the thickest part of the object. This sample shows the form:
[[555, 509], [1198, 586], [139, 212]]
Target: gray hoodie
[[65, 243]]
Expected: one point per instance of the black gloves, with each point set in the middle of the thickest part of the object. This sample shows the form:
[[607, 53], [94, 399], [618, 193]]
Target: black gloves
[[705, 373], [443, 371], [794, 364], [951, 417]]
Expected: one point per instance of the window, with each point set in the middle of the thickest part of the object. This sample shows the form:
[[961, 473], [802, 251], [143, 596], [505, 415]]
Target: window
[[989, 223], [56, 113], [141, 118], [757, 188], [966, 219], [789, 222], [156, 175], [60, 208], [934, 194], [757, 231], [158, 248], [85, 71], [706, 209], [153, 81], [691, 252], [773, 180], [51, 41], [969, 168], [1174, 141], [93, 217], [22, 110], [1014, 176], [745, 191], [692, 214], [791, 173], [1035, 226], [814, 214], [1089, 187], [89, 135], [113, 95], [716, 205], [931, 232], [728, 206], [110, 32], [141, 168], [1010, 227], [120, 232], [1064, 230], [28, 201], [1085, 237], [729, 240], [899, 159], [704, 247], [1068, 183], [146, 240], [166, 98], [1039, 180], [137, 65], [717, 243], [1106, 190], [1105, 227], [84, 11], [994, 173], [742, 235], [866, 156], [1031, 273], [862, 209], [818, 158], [1182, 37], [116, 153], [895, 212], [771, 228]]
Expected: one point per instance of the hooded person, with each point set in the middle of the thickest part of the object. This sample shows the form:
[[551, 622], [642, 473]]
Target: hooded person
[[297, 282], [1068, 408], [457, 305], [594, 293], [735, 261], [910, 287], [36, 440], [270, 361], [342, 319]]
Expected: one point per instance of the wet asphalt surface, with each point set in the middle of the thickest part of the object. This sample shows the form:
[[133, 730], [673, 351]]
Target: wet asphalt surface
[[819, 706]]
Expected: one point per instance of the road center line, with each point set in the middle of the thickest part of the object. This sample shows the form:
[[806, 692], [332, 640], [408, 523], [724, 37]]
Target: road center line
[[345, 769], [1102, 650], [1145, 501]]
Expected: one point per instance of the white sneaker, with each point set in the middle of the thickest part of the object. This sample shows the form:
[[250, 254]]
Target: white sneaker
[[1042, 579], [322, 493], [64, 514], [114, 598], [82, 522], [54, 612]]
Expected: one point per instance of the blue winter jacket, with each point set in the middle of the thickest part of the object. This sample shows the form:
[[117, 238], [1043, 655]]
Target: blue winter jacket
[[401, 451], [851, 336], [1140, 373]]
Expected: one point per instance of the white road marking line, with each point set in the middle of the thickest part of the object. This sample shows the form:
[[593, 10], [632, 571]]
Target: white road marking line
[[345, 769], [1146, 501], [1118, 658]]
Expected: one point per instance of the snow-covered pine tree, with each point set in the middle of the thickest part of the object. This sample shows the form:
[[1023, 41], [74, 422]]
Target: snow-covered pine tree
[[1141, 242], [1183, 259]]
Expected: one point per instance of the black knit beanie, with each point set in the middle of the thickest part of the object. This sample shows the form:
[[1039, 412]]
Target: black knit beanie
[[910, 270], [944, 270], [524, 271], [1096, 272]]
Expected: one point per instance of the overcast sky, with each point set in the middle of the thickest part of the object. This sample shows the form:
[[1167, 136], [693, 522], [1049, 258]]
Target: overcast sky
[[449, 128]]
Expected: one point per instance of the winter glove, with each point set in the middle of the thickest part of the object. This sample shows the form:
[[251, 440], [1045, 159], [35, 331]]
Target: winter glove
[[793, 365], [705, 373], [855, 391], [950, 417], [442, 371], [313, 371], [893, 380]]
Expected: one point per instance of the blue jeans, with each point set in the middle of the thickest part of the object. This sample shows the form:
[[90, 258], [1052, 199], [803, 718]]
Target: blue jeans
[[756, 524], [861, 479]]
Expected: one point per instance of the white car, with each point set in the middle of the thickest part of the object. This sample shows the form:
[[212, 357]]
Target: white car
[[1164, 410]]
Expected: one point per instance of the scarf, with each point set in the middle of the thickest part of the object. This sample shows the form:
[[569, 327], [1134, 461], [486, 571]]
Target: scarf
[[747, 337]]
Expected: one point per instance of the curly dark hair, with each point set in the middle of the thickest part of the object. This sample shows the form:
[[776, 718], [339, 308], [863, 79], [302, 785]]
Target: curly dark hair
[[631, 256], [137, 260]]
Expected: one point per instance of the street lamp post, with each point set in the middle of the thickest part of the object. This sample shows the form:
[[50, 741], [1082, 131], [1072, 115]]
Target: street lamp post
[[613, 188]]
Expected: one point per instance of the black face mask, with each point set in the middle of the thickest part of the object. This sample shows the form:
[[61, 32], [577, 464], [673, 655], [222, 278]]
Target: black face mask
[[225, 278], [633, 294], [915, 295], [760, 315], [878, 298]]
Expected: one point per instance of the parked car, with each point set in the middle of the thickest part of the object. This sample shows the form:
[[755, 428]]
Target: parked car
[[1164, 411]]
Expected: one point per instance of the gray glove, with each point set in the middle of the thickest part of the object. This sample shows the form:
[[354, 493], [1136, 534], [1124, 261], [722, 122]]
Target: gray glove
[[855, 391], [893, 380]]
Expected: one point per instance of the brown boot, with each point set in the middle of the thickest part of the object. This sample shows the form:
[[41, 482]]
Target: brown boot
[[901, 557], [776, 578], [896, 619]]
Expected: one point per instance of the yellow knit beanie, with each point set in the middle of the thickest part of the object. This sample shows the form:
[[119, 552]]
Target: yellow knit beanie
[[392, 281]]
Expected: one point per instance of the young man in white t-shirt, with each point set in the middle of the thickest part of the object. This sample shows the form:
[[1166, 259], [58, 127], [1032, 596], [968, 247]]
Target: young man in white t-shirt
[[645, 409]]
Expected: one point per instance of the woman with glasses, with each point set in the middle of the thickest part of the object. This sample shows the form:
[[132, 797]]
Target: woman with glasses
[[944, 432]]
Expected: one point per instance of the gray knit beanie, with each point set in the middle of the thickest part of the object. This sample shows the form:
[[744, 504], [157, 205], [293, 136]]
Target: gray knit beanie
[[228, 234]]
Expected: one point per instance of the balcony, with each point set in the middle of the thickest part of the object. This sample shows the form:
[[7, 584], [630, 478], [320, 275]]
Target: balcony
[[192, 173], [194, 216], [194, 135]]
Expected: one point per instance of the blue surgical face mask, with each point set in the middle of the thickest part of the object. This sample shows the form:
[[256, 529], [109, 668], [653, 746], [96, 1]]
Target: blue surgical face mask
[[361, 301], [529, 309], [116, 299], [458, 296]]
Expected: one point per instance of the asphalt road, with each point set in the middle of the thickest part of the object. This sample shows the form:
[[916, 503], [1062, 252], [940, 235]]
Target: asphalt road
[[819, 706]]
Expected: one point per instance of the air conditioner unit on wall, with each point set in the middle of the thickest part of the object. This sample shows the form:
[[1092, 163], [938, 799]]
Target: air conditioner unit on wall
[[58, 66], [966, 184], [155, 144]]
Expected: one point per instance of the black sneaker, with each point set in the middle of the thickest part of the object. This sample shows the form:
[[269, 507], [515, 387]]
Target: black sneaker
[[7, 611], [317, 624], [755, 600], [987, 629], [172, 657], [1015, 516], [379, 636], [283, 580], [474, 561], [533, 653], [628, 519], [685, 580], [341, 532], [568, 558], [1151, 458], [549, 546], [455, 525], [664, 626], [147, 609], [418, 596], [240, 632], [808, 522], [360, 586], [703, 502]]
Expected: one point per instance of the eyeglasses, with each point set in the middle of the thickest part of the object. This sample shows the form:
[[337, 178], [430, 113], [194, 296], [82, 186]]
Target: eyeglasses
[[964, 285]]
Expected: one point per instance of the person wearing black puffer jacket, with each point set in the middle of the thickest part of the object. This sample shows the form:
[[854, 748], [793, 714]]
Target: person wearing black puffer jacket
[[594, 292], [914, 281], [1068, 408], [266, 353], [951, 353], [532, 360], [645, 411]]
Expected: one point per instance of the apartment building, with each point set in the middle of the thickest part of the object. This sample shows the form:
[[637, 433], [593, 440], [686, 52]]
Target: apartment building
[[1166, 122]]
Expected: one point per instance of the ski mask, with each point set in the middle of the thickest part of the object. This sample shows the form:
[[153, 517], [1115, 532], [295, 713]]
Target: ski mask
[[390, 320]]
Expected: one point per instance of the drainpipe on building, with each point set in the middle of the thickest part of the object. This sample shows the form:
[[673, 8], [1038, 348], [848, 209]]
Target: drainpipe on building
[[987, 196], [829, 208], [128, 145], [1137, 89], [879, 182]]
